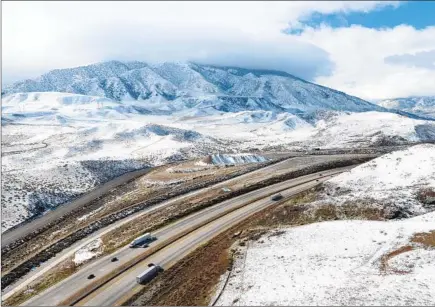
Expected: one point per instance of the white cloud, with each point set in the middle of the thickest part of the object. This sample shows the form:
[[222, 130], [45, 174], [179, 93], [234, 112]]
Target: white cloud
[[424, 59], [39, 36], [359, 56]]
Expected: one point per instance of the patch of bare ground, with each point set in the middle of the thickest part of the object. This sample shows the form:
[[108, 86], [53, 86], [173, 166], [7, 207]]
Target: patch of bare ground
[[190, 282], [426, 239]]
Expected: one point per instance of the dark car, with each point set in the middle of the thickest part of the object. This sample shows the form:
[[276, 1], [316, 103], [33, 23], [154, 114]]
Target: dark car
[[114, 259], [91, 276], [277, 197]]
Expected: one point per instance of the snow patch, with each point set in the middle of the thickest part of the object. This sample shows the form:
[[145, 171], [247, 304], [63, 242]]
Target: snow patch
[[88, 251]]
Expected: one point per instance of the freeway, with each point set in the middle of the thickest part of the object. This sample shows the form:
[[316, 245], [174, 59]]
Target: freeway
[[44, 268], [204, 225], [20, 232], [277, 169]]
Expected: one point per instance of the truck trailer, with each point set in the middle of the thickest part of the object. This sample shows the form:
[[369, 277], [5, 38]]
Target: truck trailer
[[148, 274], [141, 240]]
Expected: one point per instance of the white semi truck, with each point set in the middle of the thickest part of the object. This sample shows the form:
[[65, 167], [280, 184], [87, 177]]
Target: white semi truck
[[148, 274], [142, 239]]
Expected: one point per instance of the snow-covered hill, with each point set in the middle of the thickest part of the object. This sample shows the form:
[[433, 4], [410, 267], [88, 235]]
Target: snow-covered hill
[[423, 105], [403, 180], [328, 129], [170, 87], [351, 262], [338, 263]]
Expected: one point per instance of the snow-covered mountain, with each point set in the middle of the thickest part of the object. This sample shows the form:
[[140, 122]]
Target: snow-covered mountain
[[422, 105], [72, 129], [171, 87]]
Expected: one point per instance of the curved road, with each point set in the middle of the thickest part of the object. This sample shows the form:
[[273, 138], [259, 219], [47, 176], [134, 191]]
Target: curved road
[[227, 213]]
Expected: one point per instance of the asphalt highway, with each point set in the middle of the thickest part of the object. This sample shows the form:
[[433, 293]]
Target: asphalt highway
[[276, 168], [39, 271], [226, 213]]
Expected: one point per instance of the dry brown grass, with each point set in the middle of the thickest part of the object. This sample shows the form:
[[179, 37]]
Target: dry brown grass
[[427, 239], [300, 212]]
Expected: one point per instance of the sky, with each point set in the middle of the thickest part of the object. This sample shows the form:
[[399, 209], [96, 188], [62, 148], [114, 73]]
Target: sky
[[370, 49]]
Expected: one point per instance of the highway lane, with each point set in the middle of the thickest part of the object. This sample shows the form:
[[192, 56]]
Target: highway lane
[[103, 266], [20, 232], [119, 289]]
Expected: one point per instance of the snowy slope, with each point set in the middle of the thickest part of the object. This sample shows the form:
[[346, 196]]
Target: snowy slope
[[398, 179], [424, 105], [46, 162], [371, 128], [338, 263], [260, 129], [176, 86]]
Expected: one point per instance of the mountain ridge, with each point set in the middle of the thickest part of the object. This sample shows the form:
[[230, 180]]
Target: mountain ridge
[[421, 105], [181, 82]]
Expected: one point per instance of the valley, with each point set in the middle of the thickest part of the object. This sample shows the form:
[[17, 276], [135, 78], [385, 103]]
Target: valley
[[95, 156], [87, 132], [223, 153]]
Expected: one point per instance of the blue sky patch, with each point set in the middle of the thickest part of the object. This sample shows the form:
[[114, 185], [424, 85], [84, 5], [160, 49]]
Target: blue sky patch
[[419, 14]]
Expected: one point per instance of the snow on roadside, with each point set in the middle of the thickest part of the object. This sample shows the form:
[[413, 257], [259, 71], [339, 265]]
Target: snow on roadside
[[336, 263], [88, 252], [396, 178]]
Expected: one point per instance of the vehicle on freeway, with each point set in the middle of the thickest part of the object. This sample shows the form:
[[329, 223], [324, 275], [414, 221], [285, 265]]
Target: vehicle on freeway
[[148, 274], [114, 259], [277, 197], [91, 276], [142, 240]]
